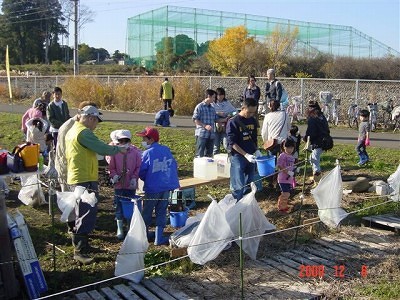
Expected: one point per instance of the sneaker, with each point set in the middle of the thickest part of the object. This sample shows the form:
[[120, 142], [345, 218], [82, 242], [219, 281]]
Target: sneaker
[[362, 162]]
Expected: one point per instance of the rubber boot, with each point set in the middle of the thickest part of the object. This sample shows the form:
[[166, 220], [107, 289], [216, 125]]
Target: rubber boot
[[160, 239], [71, 226], [79, 242], [150, 234], [120, 229], [316, 178], [282, 204]]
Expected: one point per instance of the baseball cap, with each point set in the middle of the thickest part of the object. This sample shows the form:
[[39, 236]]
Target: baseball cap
[[123, 134], [150, 133], [90, 110]]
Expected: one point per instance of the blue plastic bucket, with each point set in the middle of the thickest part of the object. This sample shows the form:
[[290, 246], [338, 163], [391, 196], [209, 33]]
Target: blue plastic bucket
[[178, 218], [127, 207], [266, 165]]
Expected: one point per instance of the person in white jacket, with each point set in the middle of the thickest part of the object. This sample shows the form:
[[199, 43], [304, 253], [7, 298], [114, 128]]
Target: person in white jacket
[[276, 125]]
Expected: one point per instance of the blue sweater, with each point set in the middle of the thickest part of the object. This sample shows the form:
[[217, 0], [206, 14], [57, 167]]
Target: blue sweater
[[159, 169]]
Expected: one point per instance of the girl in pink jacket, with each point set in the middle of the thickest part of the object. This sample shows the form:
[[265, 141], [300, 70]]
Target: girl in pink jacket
[[31, 113], [124, 174]]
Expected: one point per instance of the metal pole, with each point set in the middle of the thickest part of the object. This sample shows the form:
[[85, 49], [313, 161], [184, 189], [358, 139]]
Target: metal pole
[[302, 195], [76, 61], [241, 255]]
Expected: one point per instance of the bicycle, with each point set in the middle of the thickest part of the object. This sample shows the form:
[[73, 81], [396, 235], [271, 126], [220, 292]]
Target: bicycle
[[335, 111], [373, 112], [396, 118], [352, 115], [294, 110], [387, 108]]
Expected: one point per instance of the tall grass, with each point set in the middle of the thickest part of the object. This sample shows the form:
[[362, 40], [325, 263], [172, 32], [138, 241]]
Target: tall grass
[[140, 95]]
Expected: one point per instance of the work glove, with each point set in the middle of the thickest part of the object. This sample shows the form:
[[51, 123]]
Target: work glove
[[257, 153], [367, 142], [290, 173], [133, 184], [250, 158], [115, 179]]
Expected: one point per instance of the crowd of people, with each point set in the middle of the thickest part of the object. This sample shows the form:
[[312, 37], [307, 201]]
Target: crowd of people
[[219, 126]]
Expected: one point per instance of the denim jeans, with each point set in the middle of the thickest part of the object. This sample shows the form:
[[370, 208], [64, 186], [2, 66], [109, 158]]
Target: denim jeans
[[315, 160], [123, 194], [220, 137], [204, 147], [362, 151], [242, 174], [159, 204]]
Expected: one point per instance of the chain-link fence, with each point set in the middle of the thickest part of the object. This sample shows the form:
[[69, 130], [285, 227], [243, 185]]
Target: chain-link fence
[[347, 90]]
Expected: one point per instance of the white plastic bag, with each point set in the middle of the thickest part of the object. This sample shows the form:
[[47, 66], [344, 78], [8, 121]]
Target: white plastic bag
[[212, 236], [50, 170], [394, 183], [67, 201], [131, 255], [328, 195], [182, 237], [31, 192], [254, 222]]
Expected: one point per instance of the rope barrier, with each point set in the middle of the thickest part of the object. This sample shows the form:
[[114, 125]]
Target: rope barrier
[[239, 238]]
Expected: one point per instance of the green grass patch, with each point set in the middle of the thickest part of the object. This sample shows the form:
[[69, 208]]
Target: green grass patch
[[383, 290]]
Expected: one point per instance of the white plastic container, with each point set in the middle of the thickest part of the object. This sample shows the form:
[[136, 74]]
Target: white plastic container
[[223, 165], [205, 168]]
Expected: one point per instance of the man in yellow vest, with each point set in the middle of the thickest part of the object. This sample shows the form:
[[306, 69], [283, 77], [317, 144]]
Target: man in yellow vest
[[82, 165], [167, 93]]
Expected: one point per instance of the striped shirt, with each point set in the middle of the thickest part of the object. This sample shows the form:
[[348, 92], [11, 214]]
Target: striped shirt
[[206, 114]]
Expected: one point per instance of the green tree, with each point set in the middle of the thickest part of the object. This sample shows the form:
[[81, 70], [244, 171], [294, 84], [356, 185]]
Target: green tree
[[165, 54], [228, 54], [30, 28], [280, 45]]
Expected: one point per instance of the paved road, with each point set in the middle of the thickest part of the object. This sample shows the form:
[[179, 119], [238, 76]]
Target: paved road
[[340, 135]]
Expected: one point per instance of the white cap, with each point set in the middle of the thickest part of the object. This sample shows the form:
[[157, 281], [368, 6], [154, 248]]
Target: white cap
[[123, 134], [114, 136], [90, 110]]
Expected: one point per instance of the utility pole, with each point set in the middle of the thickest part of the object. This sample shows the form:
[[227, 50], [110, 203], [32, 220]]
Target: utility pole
[[76, 57]]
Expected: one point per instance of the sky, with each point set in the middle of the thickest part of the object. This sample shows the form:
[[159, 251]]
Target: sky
[[379, 19]]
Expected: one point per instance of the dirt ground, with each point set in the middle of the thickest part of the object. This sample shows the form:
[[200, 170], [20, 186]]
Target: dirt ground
[[224, 270]]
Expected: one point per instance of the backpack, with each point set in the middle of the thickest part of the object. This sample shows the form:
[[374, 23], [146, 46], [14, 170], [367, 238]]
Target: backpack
[[285, 96], [3, 163], [14, 161], [327, 143]]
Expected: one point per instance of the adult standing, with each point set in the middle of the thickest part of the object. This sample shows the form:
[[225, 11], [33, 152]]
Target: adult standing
[[167, 93], [57, 113], [317, 128], [276, 125], [242, 141], [273, 88], [204, 117], [224, 110], [159, 171], [59, 161], [81, 148]]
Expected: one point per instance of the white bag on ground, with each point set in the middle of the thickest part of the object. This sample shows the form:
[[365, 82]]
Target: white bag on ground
[[254, 222], [131, 255], [394, 183], [182, 237], [212, 236], [328, 195], [31, 192]]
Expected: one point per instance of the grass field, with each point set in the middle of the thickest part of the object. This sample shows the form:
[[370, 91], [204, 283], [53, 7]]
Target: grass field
[[383, 163]]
